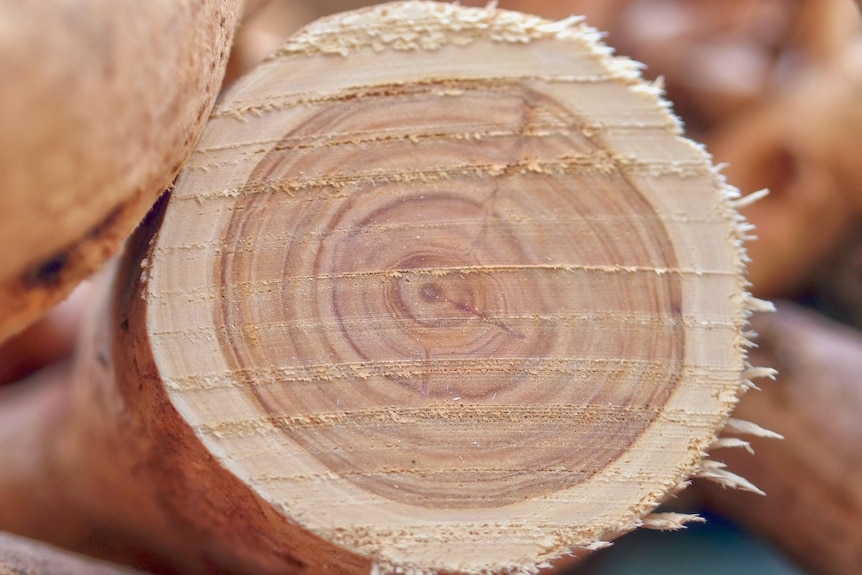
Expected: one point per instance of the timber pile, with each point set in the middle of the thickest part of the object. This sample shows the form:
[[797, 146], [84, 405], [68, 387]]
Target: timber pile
[[813, 477], [19, 556], [395, 338]]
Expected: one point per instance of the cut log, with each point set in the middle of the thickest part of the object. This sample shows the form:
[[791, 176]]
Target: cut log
[[101, 104], [838, 284], [440, 290]]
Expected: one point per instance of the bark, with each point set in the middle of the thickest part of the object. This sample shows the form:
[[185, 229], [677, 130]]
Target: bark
[[813, 508], [103, 100]]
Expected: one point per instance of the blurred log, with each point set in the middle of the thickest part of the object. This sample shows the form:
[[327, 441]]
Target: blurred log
[[803, 147], [440, 289], [50, 339], [20, 556], [102, 102], [813, 479]]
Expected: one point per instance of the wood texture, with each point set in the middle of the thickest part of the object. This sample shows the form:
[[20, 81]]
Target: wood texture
[[463, 299], [102, 102], [440, 290]]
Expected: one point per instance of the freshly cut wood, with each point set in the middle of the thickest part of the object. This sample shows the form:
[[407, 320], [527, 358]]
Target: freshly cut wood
[[102, 101], [19, 556], [814, 477], [440, 290]]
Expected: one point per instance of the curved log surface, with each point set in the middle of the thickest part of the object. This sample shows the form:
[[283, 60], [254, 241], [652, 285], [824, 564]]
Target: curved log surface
[[459, 297], [814, 508], [440, 290], [103, 100], [19, 556]]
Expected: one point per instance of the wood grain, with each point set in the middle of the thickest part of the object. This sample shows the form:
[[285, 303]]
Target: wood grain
[[98, 461], [447, 288], [814, 503]]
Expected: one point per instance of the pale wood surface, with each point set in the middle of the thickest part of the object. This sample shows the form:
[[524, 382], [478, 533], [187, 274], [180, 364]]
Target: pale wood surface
[[20, 556], [460, 298], [441, 289]]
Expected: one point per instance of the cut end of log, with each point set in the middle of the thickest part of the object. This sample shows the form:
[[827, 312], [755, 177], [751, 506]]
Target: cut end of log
[[447, 288]]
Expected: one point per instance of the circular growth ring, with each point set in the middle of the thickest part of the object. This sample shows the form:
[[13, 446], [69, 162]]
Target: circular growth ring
[[447, 288]]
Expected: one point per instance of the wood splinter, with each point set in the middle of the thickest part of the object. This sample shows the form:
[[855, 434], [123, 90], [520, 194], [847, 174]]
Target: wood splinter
[[441, 289]]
